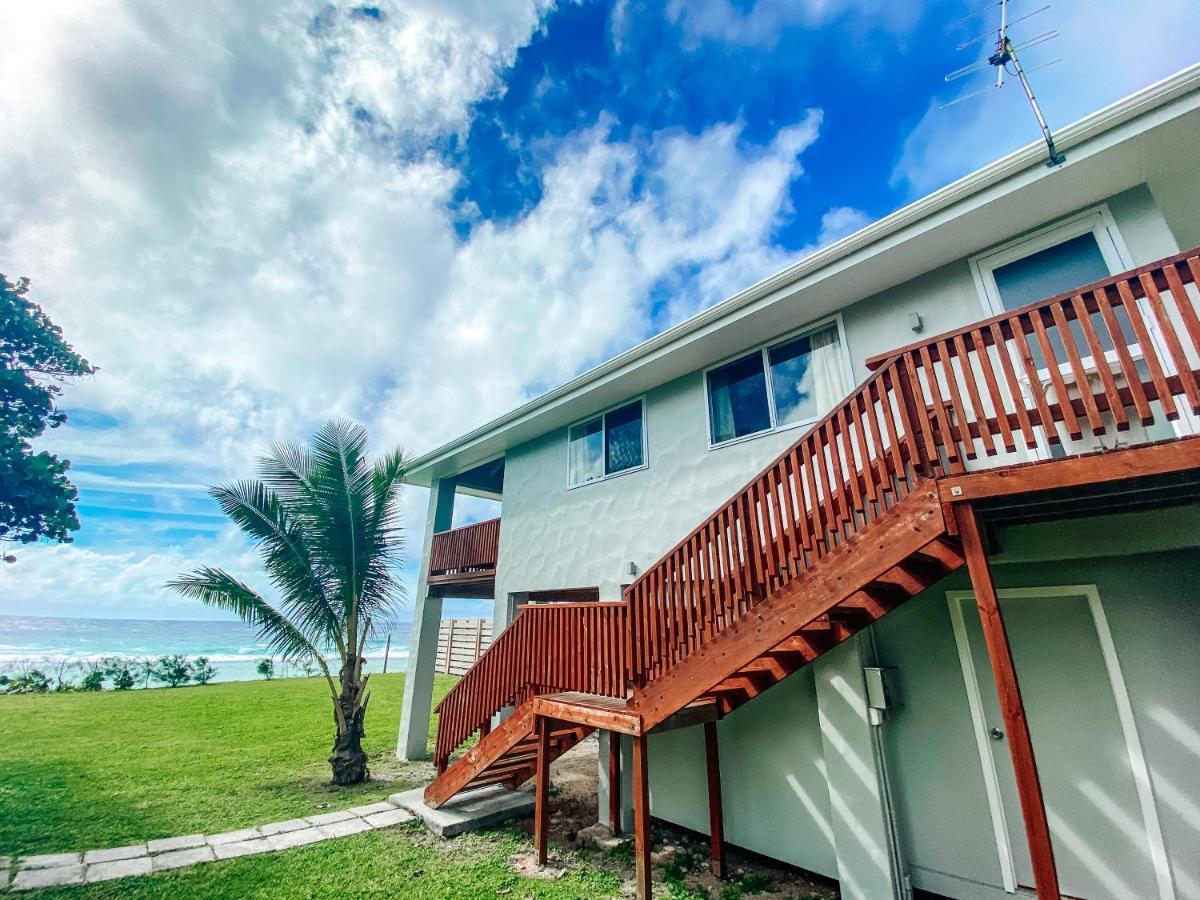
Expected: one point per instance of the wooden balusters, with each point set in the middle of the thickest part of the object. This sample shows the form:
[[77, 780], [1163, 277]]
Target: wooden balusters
[[547, 648], [471, 548]]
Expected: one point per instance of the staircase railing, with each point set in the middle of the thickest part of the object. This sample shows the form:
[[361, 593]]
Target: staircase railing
[[1081, 360], [548, 648], [834, 481]]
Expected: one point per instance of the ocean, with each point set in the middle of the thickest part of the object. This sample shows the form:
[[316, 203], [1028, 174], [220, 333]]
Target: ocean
[[47, 643]]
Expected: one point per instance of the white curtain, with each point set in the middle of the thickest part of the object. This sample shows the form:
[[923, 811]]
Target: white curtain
[[587, 452], [826, 369], [721, 406]]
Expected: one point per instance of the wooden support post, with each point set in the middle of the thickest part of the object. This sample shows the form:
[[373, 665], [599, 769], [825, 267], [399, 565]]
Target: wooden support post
[[614, 782], [716, 819], [641, 818], [541, 812], [1020, 745]]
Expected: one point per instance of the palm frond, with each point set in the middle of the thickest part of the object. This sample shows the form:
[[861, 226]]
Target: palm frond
[[383, 593], [287, 470], [221, 590], [259, 512], [340, 480]]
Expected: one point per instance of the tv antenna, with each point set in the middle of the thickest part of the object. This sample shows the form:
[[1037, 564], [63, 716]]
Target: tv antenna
[[1006, 62]]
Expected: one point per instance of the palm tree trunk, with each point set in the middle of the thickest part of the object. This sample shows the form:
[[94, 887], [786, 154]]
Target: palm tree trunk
[[349, 760]]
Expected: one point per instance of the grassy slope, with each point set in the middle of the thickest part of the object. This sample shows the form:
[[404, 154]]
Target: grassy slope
[[101, 770]]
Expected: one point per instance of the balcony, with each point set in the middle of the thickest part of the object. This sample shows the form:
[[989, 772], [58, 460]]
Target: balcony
[[462, 561]]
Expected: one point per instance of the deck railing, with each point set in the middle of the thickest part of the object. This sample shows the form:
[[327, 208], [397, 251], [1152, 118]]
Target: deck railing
[[1116, 356], [1053, 374], [548, 648], [472, 548]]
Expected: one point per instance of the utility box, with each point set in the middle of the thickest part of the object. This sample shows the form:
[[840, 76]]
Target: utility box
[[882, 692]]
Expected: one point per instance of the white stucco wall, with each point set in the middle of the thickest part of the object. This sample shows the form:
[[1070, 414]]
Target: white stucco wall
[[772, 777]]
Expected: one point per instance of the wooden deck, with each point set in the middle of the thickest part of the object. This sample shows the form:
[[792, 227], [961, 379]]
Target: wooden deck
[[462, 561]]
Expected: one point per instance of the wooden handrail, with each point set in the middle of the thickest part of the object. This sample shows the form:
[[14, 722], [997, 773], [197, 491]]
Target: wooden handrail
[[469, 549], [547, 648], [1133, 277]]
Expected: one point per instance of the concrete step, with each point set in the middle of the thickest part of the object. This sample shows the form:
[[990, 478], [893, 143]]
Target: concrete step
[[468, 811]]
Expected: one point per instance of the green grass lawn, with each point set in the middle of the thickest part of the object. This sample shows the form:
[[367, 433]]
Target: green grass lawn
[[79, 771], [97, 770]]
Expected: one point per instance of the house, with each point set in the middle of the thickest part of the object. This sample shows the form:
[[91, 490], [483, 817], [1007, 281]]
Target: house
[[887, 567]]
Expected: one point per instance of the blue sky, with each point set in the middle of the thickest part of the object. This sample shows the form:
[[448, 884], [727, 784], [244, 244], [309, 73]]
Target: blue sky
[[255, 216]]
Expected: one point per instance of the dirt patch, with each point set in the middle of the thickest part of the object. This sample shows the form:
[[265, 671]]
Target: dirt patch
[[680, 857]]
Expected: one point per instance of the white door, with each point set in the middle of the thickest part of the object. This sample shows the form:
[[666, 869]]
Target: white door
[[1103, 825]]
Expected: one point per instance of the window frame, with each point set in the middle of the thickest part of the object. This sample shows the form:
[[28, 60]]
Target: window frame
[[1096, 220], [764, 351], [640, 399]]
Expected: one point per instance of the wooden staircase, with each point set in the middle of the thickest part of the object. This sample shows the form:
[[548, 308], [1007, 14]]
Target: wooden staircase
[[808, 617], [843, 527]]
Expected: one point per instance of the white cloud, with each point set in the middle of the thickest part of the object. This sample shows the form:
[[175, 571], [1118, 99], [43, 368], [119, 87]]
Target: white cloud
[[237, 215], [1138, 50], [839, 222], [761, 23], [53, 579], [531, 302]]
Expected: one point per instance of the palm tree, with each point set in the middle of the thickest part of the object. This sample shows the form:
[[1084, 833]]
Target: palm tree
[[327, 523]]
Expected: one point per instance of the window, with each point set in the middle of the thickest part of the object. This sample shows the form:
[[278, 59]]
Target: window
[[1071, 264], [1069, 254], [787, 384], [607, 445]]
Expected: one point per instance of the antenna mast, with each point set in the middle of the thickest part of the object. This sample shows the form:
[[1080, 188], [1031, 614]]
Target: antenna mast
[[1004, 56]]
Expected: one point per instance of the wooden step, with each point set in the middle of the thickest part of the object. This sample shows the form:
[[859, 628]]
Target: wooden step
[[865, 576]]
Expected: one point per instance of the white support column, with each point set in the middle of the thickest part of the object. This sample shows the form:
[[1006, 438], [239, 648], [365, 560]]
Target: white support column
[[626, 781], [863, 838], [423, 640]]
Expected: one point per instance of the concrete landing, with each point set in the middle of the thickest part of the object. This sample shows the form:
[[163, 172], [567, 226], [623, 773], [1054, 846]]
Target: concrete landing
[[469, 811]]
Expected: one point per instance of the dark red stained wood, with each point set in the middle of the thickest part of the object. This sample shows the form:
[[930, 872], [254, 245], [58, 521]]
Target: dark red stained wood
[[541, 811], [1095, 468], [716, 819], [1128, 369], [1187, 257], [1166, 329], [641, 819], [465, 549], [1161, 391], [1112, 395], [614, 782], [1020, 744]]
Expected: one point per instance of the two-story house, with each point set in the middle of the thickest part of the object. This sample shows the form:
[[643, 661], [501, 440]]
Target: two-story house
[[888, 566]]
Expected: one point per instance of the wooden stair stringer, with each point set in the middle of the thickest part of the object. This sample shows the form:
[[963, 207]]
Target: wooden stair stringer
[[505, 755], [906, 529], [479, 758]]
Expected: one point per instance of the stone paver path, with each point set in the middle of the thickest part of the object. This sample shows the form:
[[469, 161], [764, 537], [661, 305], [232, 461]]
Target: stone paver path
[[53, 869]]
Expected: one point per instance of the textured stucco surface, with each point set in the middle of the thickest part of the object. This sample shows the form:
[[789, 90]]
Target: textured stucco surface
[[772, 777]]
